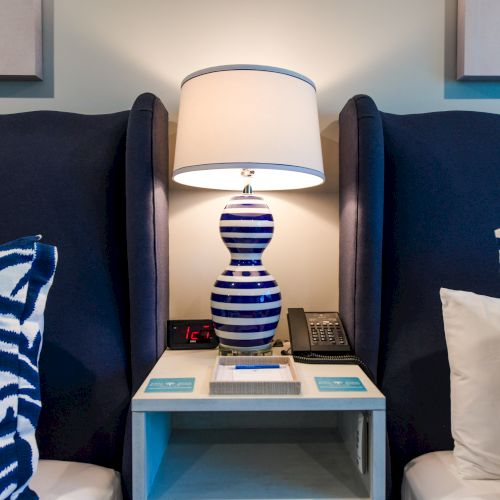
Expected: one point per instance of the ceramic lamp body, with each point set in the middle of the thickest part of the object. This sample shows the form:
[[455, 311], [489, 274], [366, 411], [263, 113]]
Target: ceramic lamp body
[[246, 300]]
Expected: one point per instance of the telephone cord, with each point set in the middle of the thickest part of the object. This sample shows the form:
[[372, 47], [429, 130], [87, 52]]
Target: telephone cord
[[313, 358]]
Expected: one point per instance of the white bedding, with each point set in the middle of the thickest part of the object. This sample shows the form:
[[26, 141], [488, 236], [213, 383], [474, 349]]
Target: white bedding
[[59, 480], [434, 476]]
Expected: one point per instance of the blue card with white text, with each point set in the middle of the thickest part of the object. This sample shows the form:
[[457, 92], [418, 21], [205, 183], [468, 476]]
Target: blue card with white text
[[339, 384], [171, 385]]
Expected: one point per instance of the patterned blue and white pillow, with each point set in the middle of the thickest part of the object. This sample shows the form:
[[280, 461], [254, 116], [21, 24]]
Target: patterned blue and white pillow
[[27, 269]]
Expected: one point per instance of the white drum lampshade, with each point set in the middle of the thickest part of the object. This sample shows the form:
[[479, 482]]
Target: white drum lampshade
[[254, 117], [244, 125]]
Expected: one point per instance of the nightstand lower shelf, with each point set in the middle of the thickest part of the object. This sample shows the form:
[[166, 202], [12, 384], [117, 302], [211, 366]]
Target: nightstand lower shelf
[[256, 463]]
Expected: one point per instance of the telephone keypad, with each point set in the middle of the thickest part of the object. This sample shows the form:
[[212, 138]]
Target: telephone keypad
[[326, 330]]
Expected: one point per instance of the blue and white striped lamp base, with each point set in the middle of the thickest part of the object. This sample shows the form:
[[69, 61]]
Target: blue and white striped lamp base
[[246, 300]]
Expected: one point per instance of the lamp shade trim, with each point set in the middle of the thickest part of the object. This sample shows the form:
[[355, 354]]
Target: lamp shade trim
[[239, 165], [248, 67]]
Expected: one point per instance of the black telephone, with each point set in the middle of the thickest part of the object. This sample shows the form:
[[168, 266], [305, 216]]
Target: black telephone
[[319, 337], [319, 332]]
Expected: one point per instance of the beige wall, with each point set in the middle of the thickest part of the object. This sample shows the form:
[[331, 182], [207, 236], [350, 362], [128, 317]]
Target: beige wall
[[106, 52]]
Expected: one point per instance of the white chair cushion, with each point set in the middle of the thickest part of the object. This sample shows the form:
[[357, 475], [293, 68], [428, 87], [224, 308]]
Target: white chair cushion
[[59, 480], [434, 476]]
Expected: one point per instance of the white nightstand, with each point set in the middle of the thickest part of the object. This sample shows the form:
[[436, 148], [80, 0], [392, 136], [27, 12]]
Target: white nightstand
[[190, 445]]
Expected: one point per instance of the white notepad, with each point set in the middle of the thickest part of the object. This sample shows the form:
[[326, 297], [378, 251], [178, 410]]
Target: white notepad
[[262, 374], [232, 374]]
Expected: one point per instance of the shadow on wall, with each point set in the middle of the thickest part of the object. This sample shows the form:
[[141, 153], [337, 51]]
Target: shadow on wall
[[330, 149], [44, 88], [454, 89]]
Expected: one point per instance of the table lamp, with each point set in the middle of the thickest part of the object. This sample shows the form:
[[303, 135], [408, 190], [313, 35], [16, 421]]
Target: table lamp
[[247, 128]]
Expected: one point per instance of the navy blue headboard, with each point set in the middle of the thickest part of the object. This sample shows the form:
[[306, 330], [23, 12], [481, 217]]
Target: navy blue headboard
[[96, 187], [419, 203]]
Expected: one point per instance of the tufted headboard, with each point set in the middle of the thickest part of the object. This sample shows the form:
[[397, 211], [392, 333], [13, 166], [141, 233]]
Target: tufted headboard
[[419, 203], [96, 187]]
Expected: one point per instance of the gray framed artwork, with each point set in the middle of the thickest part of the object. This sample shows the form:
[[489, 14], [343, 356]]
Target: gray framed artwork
[[478, 40], [21, 40]]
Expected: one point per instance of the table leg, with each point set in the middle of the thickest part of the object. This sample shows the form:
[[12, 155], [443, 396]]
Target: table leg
[[377, 454], [150, 435]]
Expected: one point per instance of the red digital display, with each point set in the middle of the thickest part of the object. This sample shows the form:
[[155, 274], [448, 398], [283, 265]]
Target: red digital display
[[194, 335], [191, 334]]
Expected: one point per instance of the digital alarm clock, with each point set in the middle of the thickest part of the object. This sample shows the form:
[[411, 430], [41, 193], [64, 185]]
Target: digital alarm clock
[[191, 334]]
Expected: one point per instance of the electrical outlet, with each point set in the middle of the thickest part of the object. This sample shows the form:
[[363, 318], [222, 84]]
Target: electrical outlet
[[361, 443]]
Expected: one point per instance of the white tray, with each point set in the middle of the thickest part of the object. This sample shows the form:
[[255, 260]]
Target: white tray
[[227, 380]]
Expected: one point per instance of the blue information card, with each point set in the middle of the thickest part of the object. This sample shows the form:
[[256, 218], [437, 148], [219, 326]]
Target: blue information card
[[171, 385], [339, 384]]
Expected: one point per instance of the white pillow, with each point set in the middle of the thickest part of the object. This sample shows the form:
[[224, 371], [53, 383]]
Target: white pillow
[[472, 329]]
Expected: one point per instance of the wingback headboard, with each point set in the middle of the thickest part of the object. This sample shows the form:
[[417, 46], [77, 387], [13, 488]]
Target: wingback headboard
[[419, 203], [96, 187]]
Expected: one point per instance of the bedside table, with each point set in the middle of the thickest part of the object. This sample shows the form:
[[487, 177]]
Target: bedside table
[[190, 445]]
